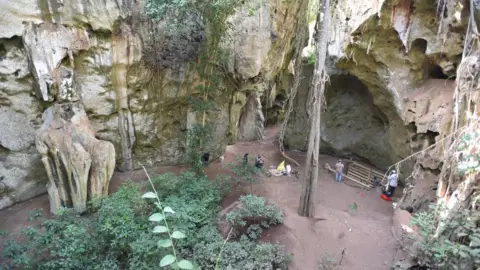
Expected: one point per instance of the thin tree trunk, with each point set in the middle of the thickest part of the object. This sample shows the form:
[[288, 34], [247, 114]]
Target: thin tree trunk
[[307, 199]]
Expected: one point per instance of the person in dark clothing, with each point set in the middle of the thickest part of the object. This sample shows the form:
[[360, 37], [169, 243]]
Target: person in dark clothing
[[376, 182], [205, 158], [245, 159], [259, 162]]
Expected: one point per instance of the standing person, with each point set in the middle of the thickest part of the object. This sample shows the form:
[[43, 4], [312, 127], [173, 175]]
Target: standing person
[[245, 159], [376, 181], [205, 158], [392, 183], [339, 170]]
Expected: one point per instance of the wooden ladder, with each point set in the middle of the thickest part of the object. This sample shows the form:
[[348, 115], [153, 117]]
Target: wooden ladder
[[359, 174]]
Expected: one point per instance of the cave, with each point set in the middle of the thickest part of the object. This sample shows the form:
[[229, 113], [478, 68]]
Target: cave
[[419, 44], [3, 52], [274, 114], [436, 72], [138, 77], [352, 125]]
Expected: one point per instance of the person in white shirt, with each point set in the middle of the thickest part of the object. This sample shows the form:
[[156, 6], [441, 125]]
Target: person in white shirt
[[392, 183], [288, 168]]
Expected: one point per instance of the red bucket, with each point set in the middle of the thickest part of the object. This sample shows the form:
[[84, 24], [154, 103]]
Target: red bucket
[[385, 197]]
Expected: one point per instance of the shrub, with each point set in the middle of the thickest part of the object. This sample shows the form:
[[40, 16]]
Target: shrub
[[242, 254], [328, 262], [119, 234], [255, 208], [244, 172], [458, 247], [70, 241]]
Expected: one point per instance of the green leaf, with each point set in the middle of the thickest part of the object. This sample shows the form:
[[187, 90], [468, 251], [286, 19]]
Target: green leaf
[[167, 260], [156, 217], [184, 264], [164, 243], [168, 209], [178, 235], [160, 229], [149, 195]]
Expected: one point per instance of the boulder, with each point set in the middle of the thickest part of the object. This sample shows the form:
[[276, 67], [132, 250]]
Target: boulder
[[78, 165], [406, 236]]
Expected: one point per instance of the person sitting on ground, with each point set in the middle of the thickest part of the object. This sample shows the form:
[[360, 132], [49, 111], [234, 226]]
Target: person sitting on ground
[[392, 183], [245, 159], [288, 169], [205, 158], [339, 171], [259, 162]]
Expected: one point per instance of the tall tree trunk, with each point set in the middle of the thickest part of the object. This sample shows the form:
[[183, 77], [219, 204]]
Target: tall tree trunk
[[307, 199]]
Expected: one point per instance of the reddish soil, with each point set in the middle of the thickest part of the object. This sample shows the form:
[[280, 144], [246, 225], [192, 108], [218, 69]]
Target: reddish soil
[[364, 234]]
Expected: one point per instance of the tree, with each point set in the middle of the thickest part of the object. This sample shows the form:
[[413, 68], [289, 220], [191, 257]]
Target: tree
[[307, 199]]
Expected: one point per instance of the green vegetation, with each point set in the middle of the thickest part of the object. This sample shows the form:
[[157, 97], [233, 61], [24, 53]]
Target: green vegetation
[[312, 58], [254, 216], [328, 262], [117, 234], [210, 58], [245, 172], [450, 238], [458, 247]]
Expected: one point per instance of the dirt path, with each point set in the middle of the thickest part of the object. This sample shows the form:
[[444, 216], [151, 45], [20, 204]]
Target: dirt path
[[365, 234]]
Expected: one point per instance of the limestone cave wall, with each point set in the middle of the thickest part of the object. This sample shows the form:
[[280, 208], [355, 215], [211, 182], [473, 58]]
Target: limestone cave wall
[[132, 84], [391, 64]]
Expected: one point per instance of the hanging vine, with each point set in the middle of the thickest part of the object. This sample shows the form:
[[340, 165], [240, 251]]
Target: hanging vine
[[298, 58]]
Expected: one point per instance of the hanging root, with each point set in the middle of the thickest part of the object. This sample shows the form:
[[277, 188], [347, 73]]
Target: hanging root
[[299, 45]]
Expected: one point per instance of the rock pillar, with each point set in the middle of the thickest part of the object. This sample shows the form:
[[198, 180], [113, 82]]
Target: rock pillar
[[79, 166]]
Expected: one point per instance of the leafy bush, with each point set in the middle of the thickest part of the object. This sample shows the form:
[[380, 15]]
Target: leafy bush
[[197, 137], [328, 262], [244, 172], [119, 234], [458, 247], [253, 216], [243, 254], [69, 241]]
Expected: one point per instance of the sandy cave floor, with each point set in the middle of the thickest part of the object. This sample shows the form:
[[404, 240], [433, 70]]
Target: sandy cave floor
[[365, 234]]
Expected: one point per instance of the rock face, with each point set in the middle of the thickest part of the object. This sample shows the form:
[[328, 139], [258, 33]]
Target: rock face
[[133, 85], [251, 121], [382, 101], [78, 165]]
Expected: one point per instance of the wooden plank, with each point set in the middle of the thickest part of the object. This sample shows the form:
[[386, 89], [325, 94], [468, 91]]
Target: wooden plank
[[358, 168], [358, 175], [327, 166], [367, 168], [364, 175]]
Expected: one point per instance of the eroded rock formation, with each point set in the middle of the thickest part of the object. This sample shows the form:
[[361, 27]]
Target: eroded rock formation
[[78, 165], [132, 78], [382, 97]]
